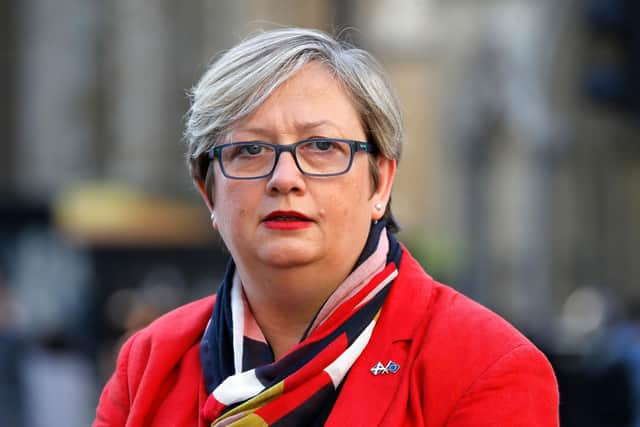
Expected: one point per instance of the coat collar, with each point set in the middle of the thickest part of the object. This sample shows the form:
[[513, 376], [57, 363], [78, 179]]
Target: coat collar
[[407, 302]]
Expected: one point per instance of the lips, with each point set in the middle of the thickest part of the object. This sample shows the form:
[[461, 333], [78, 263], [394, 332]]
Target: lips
[[287, 221], [286, 216]]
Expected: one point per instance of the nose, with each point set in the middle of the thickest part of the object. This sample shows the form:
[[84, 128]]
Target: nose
[[286, 176]]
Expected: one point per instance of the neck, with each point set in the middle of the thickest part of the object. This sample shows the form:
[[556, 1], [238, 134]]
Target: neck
[[285, 301]]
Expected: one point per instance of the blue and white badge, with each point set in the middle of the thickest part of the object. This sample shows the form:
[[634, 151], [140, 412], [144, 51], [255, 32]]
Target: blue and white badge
[[390, 368]]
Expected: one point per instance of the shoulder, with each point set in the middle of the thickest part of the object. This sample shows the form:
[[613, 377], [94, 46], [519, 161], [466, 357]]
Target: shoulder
[[478, 363], [149, 357], [477, 343], [184, 320], [177, 330], [464, 324], [444, 317]]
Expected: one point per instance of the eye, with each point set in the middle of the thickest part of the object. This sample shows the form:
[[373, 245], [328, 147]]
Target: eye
[[322, 144], [250, 149]]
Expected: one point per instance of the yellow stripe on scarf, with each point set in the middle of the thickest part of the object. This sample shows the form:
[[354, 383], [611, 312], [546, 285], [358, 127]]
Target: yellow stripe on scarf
[[251, 420], [252, 405]]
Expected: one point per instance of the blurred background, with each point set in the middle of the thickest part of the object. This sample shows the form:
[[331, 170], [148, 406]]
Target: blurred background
[[519, 184]]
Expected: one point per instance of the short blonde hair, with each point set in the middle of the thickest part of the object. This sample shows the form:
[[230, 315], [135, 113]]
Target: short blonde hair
[[242, 78]]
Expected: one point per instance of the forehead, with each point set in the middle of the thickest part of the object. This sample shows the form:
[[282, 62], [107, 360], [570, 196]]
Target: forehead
[[313, 99]]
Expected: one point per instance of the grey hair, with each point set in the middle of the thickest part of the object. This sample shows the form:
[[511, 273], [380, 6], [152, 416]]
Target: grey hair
[[242, 78]]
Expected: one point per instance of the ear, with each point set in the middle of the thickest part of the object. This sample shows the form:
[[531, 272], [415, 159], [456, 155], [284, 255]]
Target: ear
[[381, 194], [204, 193]]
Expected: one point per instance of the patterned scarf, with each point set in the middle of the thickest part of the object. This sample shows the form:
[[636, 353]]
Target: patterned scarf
[[247, 387]]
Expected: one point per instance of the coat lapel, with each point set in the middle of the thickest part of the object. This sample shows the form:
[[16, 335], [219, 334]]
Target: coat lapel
[[366, 395]]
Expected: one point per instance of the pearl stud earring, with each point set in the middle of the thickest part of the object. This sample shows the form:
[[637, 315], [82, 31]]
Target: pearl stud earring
[[378, 206]]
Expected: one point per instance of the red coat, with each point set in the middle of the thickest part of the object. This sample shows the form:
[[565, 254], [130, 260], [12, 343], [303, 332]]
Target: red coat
[[460, 365]]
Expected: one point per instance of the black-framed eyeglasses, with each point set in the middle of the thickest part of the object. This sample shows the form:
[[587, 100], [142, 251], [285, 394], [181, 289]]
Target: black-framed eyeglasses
[[314, 157]]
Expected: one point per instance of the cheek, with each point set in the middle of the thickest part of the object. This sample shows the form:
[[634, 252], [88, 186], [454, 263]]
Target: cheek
[[350, 200], [233, 224], [232, 203]]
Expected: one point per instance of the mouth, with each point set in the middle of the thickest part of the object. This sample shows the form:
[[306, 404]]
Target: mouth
[[286, 221], [284, 216]]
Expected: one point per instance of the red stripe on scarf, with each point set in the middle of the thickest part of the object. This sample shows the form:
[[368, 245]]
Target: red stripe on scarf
[[212, 409], [346, 309], [319, 362]]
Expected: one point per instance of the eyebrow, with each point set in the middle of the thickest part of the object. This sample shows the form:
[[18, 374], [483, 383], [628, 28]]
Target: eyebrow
[[300, 126], [313, 125]]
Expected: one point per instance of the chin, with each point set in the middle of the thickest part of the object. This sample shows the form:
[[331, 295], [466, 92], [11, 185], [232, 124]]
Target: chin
[[283, 256]]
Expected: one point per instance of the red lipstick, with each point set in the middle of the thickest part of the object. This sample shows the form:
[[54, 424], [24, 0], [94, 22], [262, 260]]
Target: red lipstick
[[286, 220]]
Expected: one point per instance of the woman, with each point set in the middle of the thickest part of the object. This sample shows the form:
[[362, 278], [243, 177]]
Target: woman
[[323, 318]]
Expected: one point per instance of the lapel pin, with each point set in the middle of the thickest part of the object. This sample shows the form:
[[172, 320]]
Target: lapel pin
[[390, 368]]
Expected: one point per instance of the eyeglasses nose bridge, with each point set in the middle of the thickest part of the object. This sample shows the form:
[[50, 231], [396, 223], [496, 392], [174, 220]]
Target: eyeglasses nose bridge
[[291, 149]]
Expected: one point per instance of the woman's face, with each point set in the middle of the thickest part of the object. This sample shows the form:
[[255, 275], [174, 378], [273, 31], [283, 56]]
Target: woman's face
[[289, 219]]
